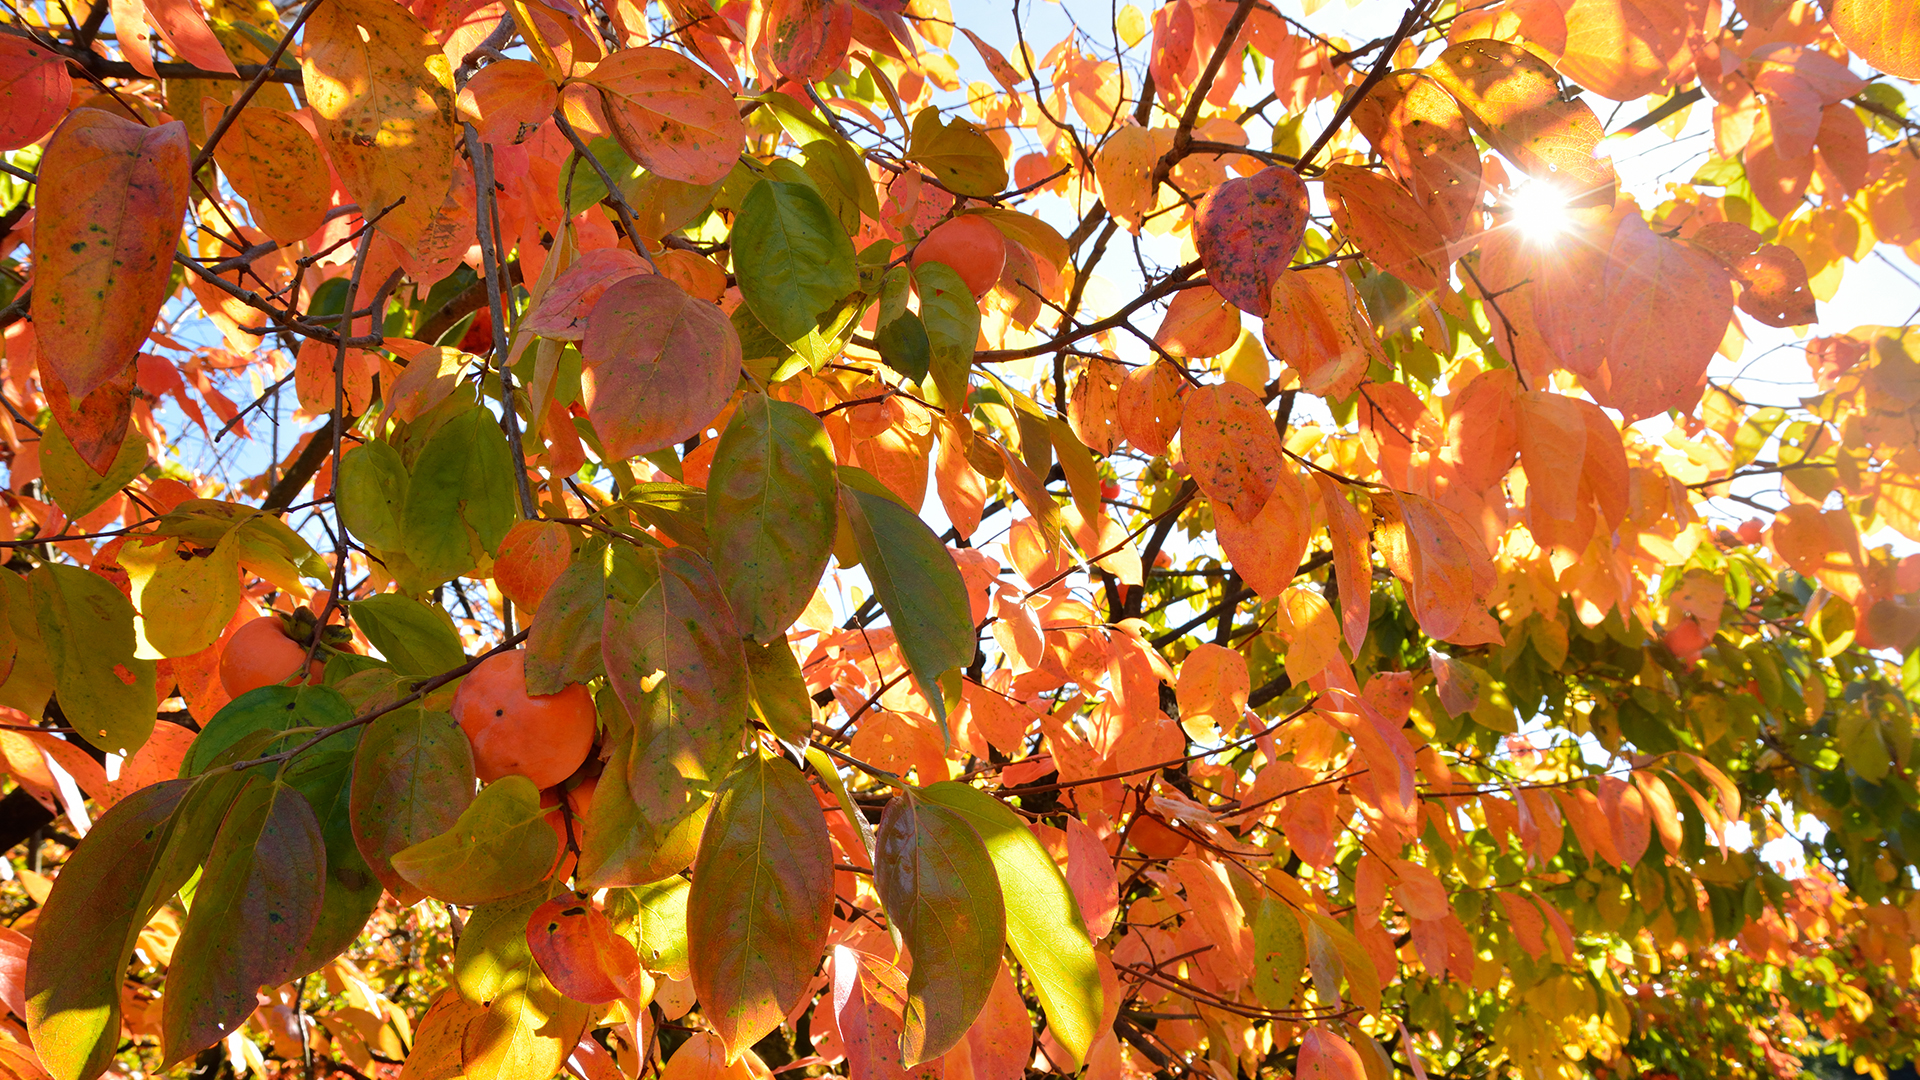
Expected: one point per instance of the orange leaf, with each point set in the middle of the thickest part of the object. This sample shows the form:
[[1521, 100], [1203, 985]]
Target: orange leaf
[[1668, 305], [1348, 529], [111, 197], [35, 91], [1151, 406], [1627, 49], [1820, 544], [1230, 447], [1514, 100], [273, 162], [1326, 1056], [673, 117], [1388, 225], [1091, 876], [1199, 324], [532, 554], [1312, 633], [1482, 442], [1591, 825], [1424, 138], [378, 83], [1317, 325], [1093, 408], [184, 28], [1212, 691], [508, 100], [1420, 891], [1627, 811], [1449, 574], [1884, 33], [1247, 230], [1660, 808], [1267, 549]]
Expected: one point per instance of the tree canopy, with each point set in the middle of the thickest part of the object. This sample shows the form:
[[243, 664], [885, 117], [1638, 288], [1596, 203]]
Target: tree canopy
[[919, 540]]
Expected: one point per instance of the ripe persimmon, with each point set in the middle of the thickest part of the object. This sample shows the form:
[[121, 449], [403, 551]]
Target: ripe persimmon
[[542, 737], [971, 246], [261, 653]]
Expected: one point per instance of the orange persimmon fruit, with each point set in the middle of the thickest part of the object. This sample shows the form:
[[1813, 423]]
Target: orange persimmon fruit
[[971, 246], [542, 737]]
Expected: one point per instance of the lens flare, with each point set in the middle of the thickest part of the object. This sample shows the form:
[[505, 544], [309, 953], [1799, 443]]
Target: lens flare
[[1539, 211]]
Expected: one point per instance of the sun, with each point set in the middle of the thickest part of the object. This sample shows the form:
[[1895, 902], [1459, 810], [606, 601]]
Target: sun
[[1539, 211]]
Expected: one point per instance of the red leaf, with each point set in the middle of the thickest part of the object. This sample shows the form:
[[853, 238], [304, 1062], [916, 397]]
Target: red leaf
[[1326, 1056], [658, 365], [184, 27], [1247, 230], [581, 954], [112, 194], [35, 91]]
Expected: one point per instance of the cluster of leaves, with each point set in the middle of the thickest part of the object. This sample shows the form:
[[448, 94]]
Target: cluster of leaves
[[1299, 595]]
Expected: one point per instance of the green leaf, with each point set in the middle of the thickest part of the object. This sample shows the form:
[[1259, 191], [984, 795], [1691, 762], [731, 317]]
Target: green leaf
[[72, 484], [1363, 982], [107, 694], [761, 900], [659, 925], [942, 893], [106, 892], [919, 586], [1044, 925], [500, 845], [373, 494], [28, 686], [780, 699], [673, 656], [325, 779], [417, 638], [960, 154], [903, 344], [412, 776], [951, 318], [644, 823], [256, 905], [1279, 953], [526, 1027], [770, 512], [841, 178], [791, 257], [563, 640], [271, 709], [460, 497], [184, 603], [830, 776]]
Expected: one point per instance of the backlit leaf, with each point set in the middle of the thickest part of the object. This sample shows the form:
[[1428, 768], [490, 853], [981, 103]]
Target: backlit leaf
[[500, 845], [770, 512], [942, 893], [1043, 922], [761, 900], [1513, 99], [919, 587], [1247, 230], [108, 695], [381, 90], [111, 196], [674, 118], [658, 365]]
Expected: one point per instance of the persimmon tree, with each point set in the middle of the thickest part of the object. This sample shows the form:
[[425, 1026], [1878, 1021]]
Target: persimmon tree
[[566, 534]]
